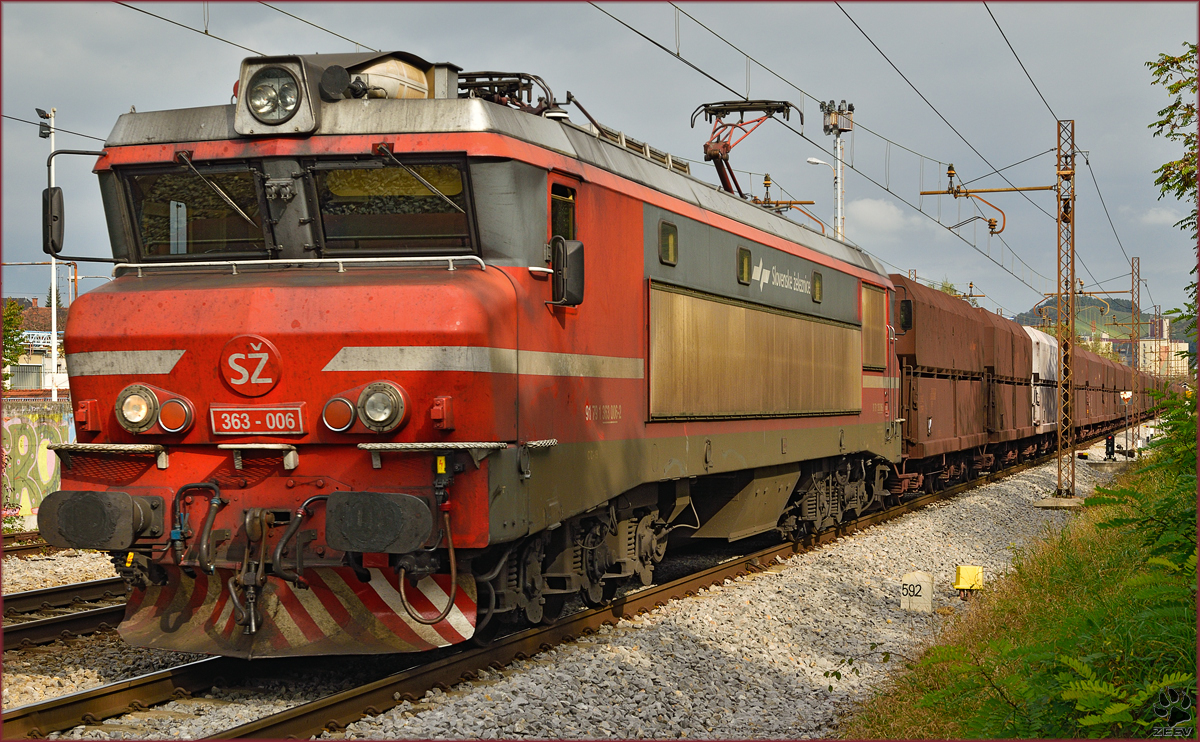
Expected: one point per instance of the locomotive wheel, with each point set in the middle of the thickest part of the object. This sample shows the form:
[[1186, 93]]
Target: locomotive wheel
[[533, 584], [593, 595], [485, 636], [598, 596]]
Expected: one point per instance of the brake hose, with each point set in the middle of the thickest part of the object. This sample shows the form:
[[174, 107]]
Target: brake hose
[[453, 582]]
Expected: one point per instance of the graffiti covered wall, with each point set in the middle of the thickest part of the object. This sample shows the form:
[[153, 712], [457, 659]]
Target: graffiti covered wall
[[30, 468]]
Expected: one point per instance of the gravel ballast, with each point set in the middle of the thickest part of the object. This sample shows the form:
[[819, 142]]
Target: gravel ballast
[[39, 673], [61, 568], [746, 659]]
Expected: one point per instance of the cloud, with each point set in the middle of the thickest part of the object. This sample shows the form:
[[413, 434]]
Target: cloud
[[876, 221], [1160, 216]]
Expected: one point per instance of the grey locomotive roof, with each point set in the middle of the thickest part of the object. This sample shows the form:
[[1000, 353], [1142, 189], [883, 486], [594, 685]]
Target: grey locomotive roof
[[384, 116]]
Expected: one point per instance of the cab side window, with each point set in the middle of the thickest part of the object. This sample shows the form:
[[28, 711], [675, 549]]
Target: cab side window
[[668, 243], [562, 211]]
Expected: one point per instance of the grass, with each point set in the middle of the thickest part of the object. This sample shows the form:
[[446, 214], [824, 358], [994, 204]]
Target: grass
[[997, 669]]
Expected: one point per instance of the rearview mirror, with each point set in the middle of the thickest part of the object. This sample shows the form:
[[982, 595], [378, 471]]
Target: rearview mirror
[[566, 260], [52, 221], [906, 315]]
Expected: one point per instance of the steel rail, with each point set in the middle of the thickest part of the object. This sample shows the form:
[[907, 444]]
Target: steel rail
[[340, 709], [68, 626], [26, 543], [23, 551], [63, 595], [14, 538], [36, 720]]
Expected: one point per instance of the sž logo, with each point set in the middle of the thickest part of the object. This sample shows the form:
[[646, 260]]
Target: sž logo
[[250, 365]]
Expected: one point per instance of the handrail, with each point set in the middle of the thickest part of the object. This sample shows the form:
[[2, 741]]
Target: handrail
[[293, 261]]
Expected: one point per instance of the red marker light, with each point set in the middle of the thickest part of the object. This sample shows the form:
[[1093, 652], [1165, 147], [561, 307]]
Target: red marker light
[[174, 416], [338, 415]]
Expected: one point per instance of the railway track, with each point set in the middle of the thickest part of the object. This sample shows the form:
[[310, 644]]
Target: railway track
[[68, 604], [26, 544], [336, 711]]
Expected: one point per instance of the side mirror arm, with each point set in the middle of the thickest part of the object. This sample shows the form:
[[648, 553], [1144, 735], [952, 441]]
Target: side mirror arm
[[51, 198]]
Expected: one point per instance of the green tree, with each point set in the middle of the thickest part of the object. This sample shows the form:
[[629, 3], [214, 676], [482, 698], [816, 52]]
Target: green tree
[[1099, 347], [14, 322], [1177, 122], [946, 287], [1177, 178], [57, 298]]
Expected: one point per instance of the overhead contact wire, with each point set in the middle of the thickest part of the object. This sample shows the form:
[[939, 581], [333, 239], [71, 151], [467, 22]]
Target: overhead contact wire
[[1085, 159], [680, 57], [196, 30], [792, 85], [322, 28], [56, 129], [818, 146], [1018, 58], [935, 110]]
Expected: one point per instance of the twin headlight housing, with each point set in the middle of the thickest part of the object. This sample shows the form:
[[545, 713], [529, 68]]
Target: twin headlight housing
[[275, 95], [381, 408], [139, 408]]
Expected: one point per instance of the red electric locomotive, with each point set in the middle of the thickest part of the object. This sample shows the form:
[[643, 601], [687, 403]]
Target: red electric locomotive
[[350, 391], [396, 354]]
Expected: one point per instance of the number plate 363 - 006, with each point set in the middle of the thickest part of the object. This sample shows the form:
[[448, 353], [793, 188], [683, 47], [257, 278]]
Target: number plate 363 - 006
[[266, 420]]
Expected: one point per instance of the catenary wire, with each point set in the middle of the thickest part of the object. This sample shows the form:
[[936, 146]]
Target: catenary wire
[[802, 92], [788, 82], [1006, 167], [1018, 58], [935, 110], [680, 57], [1096, 183], [802, 135], [326, 30], [56, 129], [929, 217], [1086, 159], [196, 30]]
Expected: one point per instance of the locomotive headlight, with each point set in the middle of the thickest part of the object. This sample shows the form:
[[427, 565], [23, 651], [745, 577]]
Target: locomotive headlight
[[137, 408], [379, 407], [382, 406], [273, 95]]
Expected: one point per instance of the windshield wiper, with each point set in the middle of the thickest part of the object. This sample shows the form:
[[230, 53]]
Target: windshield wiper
[[383, 148], [183, 157]]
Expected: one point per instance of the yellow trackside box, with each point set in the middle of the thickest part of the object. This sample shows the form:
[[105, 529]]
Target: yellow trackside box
[[968, 578]]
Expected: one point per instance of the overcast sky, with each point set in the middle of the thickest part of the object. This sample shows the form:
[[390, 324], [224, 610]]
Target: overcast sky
[[93, 61]]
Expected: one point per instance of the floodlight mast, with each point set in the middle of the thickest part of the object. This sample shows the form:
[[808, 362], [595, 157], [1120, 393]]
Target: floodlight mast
[[46, 131]]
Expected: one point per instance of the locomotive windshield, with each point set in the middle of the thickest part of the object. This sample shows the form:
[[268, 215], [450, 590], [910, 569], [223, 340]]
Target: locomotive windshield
[[178, 213], [412, 208]]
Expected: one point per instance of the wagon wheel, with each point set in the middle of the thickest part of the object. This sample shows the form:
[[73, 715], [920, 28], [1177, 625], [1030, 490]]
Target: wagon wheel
[[553, 607]]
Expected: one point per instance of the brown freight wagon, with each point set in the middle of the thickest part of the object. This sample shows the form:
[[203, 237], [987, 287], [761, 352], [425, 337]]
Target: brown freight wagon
[[1008, 356], [941, 357]]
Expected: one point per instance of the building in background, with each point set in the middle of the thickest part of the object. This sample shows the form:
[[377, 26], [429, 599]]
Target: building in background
[[33, 375]]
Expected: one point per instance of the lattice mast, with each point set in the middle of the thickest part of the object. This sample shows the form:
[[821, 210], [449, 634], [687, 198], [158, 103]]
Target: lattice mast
[[1135, 342], [1065, 307]]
